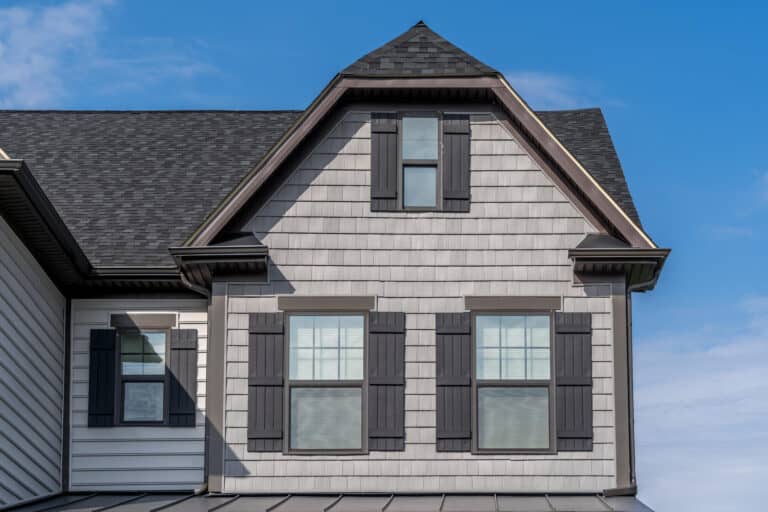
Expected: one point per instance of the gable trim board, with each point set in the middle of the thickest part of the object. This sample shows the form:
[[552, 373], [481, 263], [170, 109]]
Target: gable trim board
[[515, 106]]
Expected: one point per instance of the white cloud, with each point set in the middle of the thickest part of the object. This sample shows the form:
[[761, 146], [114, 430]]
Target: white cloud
[[33, 42], [702, 441], [48, 54], [551, 91]]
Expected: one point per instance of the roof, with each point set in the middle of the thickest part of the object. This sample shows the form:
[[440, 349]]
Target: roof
[[336, 503], [418, 52], [131, 184], [585, 133]]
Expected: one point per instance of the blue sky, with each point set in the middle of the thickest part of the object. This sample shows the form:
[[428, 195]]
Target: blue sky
[[683, 89]]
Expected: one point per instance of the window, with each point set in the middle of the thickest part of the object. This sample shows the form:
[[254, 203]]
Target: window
[[142, 375], [420, 162], [326, 359], [513, 384]]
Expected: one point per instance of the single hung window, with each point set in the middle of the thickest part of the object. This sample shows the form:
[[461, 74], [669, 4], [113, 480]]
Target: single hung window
[[142, 375], [512, 370], [420, 162], [326, 355]]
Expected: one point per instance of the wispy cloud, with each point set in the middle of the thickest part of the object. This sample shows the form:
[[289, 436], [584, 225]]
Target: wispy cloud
[[556, 91], [48, 53], [700, 414], [34, 42]]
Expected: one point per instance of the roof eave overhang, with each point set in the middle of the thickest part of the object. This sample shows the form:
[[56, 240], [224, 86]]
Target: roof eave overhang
[[642, 267], [199, 265], [507, 97]]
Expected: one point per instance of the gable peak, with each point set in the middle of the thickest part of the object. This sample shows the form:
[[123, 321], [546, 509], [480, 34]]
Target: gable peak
[[418, 52]]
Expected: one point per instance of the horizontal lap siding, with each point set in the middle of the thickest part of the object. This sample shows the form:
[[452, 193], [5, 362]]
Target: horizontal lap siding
[[134, 458], [324, 240], [32, 327]]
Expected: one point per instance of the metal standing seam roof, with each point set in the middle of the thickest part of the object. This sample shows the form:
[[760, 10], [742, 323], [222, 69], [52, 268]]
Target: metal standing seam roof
[[129, 185], [157, 502]]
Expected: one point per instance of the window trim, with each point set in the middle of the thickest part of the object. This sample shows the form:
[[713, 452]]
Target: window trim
[[403, 162], [510, 383], [122, 379], [289, 384]]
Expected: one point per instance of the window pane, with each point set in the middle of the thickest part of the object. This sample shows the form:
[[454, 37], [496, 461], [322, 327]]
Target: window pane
[[132, 364], [510, 418], [131, 343], [326, 347], [538, 364], [326, 418], [513, 331], [154, 343], [420, 138], [537, 331], [154, 364], [488, 363], [487, 331], [143, 401], [513, 364], [419, 187]]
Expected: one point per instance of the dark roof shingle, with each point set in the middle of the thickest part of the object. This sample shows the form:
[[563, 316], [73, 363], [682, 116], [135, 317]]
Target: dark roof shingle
[[419, 52]]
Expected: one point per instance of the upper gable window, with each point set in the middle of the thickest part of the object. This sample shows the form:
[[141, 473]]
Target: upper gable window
[[420, 162]]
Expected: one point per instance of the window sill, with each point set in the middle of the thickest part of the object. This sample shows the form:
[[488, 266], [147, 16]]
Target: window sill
[[335, 453], [517, 451]]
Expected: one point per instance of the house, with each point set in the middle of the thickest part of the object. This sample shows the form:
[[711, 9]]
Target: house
[[413, 295]]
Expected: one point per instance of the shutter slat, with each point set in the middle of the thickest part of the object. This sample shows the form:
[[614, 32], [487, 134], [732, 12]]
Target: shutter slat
[[573, 379], [384, 162], [456, 171], [386, 381], [454, 392], [265, 382], [101, 378], [183, 378]]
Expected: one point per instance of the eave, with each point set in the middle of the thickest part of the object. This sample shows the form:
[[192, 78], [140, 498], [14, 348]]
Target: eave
[[642, 267], [199, 265]]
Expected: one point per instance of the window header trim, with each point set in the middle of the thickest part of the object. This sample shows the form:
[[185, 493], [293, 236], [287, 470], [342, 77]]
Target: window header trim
[[512, 303], [320, 303]]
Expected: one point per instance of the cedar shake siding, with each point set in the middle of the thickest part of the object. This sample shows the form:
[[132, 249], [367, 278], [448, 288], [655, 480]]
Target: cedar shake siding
[[32, 327], [324, 239], [125, 458]]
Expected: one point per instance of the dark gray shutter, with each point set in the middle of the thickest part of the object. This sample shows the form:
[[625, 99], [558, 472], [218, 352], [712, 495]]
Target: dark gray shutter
[[101, 378], [265, 382], [386, 381], [573, 380], [183, 378], [454, 391], [384, 167], [456, 183]]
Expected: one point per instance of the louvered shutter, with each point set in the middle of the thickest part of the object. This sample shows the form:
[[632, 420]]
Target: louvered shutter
[[456, 181], [183, 378], [454, 391], [573, 380], [386, 381], [101, 378], [265, 382], [384, 163]]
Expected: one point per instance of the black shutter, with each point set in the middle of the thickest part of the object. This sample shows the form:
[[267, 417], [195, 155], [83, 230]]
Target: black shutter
[[101, 378], [454, 391], [182, 378], [573, 379], [386, 381], [384, 168], [456, 184], [265, 382]]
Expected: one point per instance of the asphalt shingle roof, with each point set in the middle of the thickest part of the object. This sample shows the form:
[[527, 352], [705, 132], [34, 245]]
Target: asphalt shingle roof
[[419, 52], [585, 134], [131, 184]]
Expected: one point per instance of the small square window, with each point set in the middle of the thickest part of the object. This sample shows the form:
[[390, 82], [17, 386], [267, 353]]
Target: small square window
[[419, 186], [143, 401]]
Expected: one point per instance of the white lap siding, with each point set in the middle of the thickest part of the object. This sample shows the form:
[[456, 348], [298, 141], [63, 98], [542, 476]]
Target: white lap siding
[[324, 240], [32, 327], [134, 458]]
